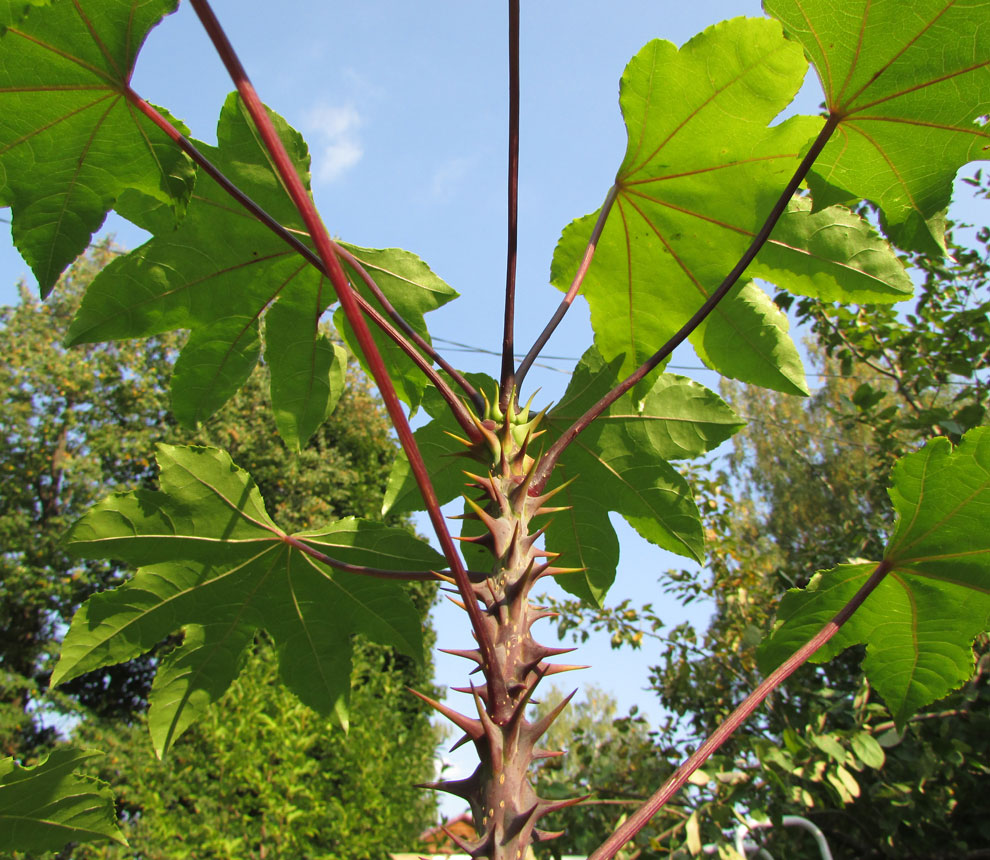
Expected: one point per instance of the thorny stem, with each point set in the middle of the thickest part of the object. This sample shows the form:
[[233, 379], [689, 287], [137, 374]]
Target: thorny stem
[[300, 248], [572, 291], [639, 819], [551, 457], [352, 310], [508, 381]]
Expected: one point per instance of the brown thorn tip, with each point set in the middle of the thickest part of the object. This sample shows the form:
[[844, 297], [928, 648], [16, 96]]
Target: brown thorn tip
[[559, 668], [458, 603], [464, 723], [460, 742], [540, 726], [562, 804], [542, 754], [467, 654], [460, 843]]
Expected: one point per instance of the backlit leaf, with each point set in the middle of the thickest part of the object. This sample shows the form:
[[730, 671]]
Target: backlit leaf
[[920, 622], [911, 84], [702, 170], [70, 141], [620, 464], [213, 563], [48, 805], [222, 271]]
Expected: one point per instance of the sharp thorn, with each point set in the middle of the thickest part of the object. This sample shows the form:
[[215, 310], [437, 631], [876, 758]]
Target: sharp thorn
[[466, 724]]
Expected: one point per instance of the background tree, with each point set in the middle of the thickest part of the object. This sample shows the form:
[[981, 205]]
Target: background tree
[[804, 490], [77, 423]]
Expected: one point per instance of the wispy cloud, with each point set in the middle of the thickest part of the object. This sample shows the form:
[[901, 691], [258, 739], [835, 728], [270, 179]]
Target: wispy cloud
[[337, 143], [450, 176]]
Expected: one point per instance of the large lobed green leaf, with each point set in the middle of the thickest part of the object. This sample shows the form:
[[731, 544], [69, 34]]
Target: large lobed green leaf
[[620, 464], [48, 805], [911, 85], [213, 563], [702, 170], [920, 622], [70, 142], [221, 272]]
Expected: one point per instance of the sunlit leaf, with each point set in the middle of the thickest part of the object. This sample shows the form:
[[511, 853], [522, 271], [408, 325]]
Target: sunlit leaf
[[920, 622], [702, 170], [911, 84], [620, 464], [222, 271], [48, 805], [70, 141], [213, 563]]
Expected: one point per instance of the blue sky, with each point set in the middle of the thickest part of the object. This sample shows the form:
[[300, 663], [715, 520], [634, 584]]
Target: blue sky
[[404, 107]]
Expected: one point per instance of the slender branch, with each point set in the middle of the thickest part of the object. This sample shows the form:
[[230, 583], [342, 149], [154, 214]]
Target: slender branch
[[348, 301], [572, 291], [508, 381], [919, 718], [638, 820], [550, 459], [297, 245]]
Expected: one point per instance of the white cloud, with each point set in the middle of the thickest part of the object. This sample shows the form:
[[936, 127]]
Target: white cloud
[[450, 176], [339, 145]]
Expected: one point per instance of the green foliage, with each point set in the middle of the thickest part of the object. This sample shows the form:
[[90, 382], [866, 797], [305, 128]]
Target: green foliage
[[222, 289], [621, 464], [183, 539], [905, 87], [45, 806], [76, 421], [712, 193], [264, 775], [937, 560], [72, 141], [610, 760], [690, 199]]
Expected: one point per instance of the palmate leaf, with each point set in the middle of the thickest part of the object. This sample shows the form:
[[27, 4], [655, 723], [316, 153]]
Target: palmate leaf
[[701, 172], [214, 564], [620, 464], [911, 84], [920, 622], [70, 142], [221, 272], [48, 805]]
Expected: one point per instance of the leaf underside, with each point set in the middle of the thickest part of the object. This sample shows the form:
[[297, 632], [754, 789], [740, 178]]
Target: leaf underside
[[920, 622], [222, 272], [701, 172], [212, 563], [911, 83], [70, 141], [48, 805]]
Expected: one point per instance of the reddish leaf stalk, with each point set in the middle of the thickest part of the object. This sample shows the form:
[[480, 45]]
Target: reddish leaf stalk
[[639, 819], [417, 338], [508, 382], [348, 301], [572, 291], [569, 435], [300, 248], [359, 569]]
